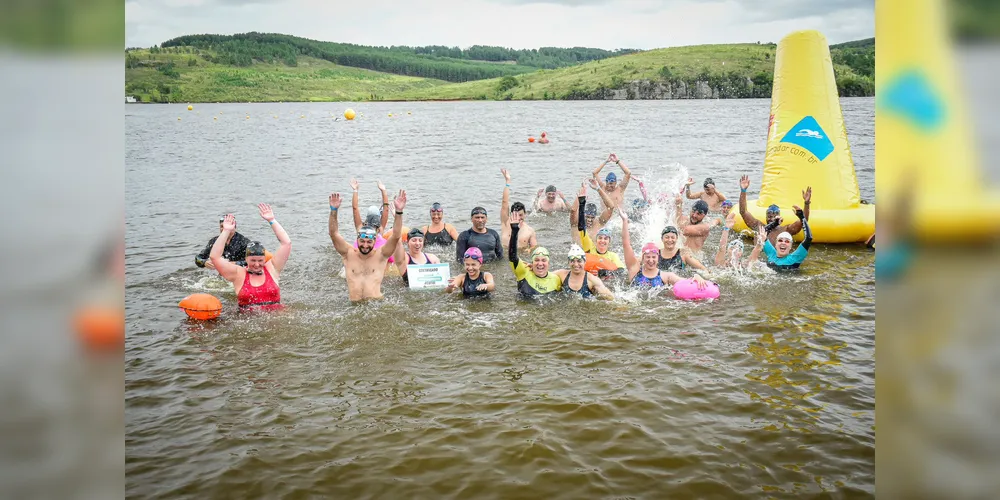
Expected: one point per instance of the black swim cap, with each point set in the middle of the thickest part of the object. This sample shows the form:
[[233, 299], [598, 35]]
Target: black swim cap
[[550, 189], [436, 206], [517, 206], [668, 229], [708, 180], [255, 249], [590, 209], [478, 210], [700, 206], [415, 233]]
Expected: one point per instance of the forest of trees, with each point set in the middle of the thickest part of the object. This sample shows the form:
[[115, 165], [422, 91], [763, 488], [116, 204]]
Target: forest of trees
[[445, 63]]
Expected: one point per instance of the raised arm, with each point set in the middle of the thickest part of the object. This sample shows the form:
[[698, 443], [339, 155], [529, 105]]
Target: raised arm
[[536, 204], [505, 199], [757, 247], [515, 227], [338, 241], [796, 226], [284, 243], [720, 254], [397, 225], [748, 218], [227, 269], [687, 190], [358, 221], [807, 242], [631, 262], [597, 172], [642, 189], [628, 173], [385, 205]]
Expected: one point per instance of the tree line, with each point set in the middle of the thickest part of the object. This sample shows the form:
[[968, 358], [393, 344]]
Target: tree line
[[444, 63]]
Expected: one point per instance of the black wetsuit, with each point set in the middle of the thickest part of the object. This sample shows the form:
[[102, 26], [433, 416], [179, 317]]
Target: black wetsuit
[[438, 239], [235, 251], [469, 286], [675, 262], [488, 243]]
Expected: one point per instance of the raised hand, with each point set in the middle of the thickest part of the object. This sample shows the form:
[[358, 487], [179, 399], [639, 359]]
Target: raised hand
[[335, 200], [229, 222], [506, 175], [761, 236], [559, 194], [381, 187], [745, 182], [400, 202], [613, 158], [807, 195], [594, 184], [354, 184], [731, 220], [265, 212], [690, 181], [623, 215], [541, 192], [515, 218], [583, 190]]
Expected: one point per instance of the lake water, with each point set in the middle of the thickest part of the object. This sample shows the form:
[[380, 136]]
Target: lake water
[[768, 391]]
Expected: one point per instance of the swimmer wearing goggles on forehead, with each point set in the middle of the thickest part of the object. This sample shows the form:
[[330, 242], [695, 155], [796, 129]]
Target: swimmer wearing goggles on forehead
[[643, 273], [533, 277], [773, 222], [413, 254], [780, 256], [256, 285], [365, 265], [576, 280], [475, 283]]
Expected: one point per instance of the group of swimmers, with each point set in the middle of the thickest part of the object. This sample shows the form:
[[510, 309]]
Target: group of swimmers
[[590, 261]]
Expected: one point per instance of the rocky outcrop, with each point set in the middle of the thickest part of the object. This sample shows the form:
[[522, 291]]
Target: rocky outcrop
[[657, 90]]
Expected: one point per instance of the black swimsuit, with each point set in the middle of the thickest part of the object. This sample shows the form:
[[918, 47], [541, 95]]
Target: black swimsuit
[[439, 239], [675, 262], [469, 286]]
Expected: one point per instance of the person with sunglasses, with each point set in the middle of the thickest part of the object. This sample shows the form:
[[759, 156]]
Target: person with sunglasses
[[526, 239], [479, 236], [438, 232], [644, 273], [364, 266], [414, 254], [773, 214], [235, 250], [576, 279], [780, 256], [475, 283], [256, 285], [533, 280]]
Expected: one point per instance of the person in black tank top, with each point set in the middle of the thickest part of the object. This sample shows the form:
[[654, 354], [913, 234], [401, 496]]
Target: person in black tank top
[[446, 236], [678, 258], [475, 282]]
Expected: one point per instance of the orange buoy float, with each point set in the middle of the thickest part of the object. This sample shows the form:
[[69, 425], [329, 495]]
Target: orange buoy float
[[101, 327], [268, 256], [201, 306], [531, 139]]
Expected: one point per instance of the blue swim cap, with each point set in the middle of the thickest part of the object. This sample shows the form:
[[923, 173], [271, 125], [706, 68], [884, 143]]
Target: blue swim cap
[[604, 232], [774, 208], [611, 177]]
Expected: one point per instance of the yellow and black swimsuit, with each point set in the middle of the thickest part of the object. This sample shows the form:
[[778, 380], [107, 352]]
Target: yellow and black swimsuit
[[588, 246], [528, 284]]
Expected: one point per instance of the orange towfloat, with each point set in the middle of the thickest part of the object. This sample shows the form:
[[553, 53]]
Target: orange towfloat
[[600, 266], [101, 327], [201, 306], [531, 139]]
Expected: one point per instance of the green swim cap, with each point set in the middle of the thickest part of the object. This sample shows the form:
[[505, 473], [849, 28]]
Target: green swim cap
[[539, 251]]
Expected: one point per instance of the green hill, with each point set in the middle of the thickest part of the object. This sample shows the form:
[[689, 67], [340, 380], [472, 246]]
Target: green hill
[[251, 70]]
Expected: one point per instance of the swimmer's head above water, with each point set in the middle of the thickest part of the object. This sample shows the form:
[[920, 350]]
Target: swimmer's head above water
[[479, 219], [437, 213], [783, 244], [603, 240], [518, 207], [650, 255], [415, 240], [773, 212], [255, 258], [709, 186], [540, 261], [366, 239], [590, 213], [669, 236], [698, 211], [577, 258], [473, 260], [611, 181], [550, 193], [735, 249], [373, 217]]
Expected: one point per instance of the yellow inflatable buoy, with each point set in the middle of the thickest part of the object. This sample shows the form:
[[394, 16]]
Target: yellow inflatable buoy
[[190, 107], [215, 117], [927, 152], [807, 146], [349, 114], [390, 115], [178, 118]]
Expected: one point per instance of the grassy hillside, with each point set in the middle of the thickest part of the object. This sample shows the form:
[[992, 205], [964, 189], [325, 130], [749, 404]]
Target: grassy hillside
[[170, 76], [736, 70], [190, 74]]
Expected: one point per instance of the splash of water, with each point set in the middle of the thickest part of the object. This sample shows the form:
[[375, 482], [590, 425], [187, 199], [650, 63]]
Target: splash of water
[[662, 183]]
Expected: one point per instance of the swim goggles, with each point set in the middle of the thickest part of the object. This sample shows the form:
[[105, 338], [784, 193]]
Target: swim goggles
[[367, 233]]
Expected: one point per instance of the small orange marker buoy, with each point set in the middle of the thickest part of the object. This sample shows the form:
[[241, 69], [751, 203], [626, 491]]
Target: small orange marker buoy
[[531, 139], [101, 327], [201, 306]]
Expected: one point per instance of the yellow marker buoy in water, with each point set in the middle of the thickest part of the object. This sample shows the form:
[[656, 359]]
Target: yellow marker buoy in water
[[190, 107], [215, 117], [390, 115], [409, 113], [178, 118], [349, 114]]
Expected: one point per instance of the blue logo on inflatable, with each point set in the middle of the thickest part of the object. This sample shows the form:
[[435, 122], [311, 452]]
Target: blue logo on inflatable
[[913, 97], [810, 136]]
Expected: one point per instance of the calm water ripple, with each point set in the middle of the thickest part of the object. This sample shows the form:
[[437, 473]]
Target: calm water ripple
[[768, 391]]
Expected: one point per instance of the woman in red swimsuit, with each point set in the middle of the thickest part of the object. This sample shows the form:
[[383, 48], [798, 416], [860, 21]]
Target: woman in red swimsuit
[[257, 284]]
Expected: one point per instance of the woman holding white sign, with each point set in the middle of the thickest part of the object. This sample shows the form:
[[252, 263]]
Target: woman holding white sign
[[475, 282], [414, 254]]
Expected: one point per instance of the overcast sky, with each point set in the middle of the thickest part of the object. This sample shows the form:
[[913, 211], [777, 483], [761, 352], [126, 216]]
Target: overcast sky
[[608, 24]]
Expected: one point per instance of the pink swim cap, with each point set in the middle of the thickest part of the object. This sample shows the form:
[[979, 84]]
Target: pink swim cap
[[474, 253], [650, 247]]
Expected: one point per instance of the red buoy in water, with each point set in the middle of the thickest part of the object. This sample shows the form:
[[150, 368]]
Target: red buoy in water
[[531, 139]]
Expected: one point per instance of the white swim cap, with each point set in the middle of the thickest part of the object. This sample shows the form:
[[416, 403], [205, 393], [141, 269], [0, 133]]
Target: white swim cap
[[785, 235], [576, 251]]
